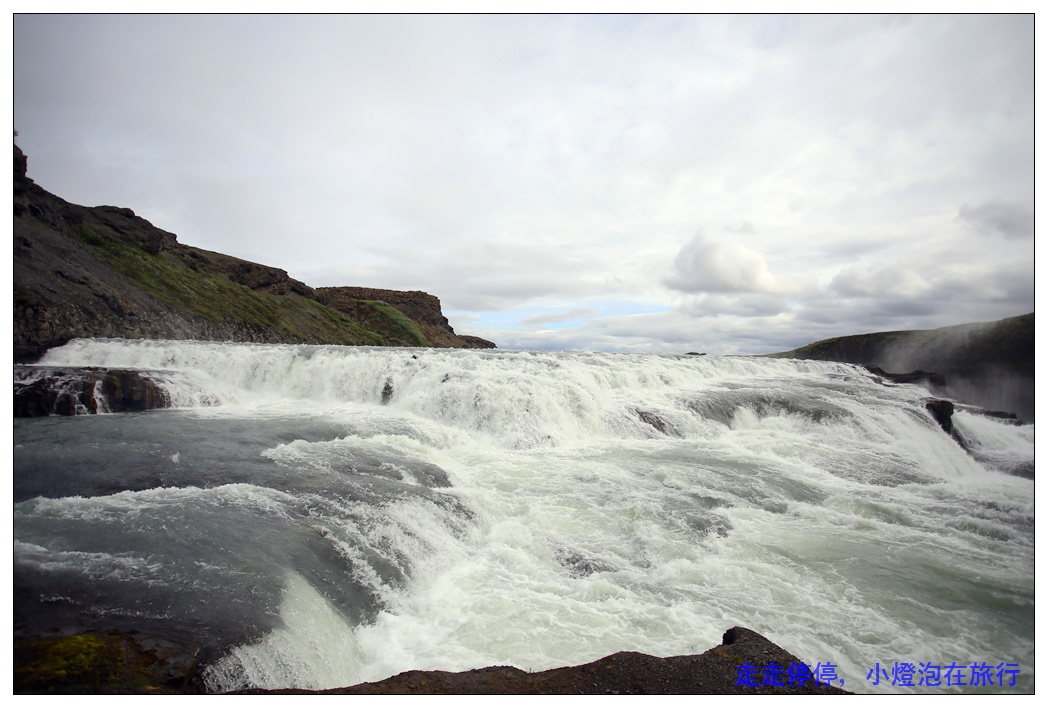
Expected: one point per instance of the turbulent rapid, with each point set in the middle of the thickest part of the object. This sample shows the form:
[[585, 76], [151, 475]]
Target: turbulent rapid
[[319, 516]]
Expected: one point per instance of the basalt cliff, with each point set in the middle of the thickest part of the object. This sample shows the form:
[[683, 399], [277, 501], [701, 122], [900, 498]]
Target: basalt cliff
[[105, 272], [989, 364]]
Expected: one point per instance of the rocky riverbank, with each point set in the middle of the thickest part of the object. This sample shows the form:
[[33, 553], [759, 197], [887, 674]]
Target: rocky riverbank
[[744, 663]]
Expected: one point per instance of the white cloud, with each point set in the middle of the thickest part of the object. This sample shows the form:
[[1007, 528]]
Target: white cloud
[[847, 171], [709, 264]]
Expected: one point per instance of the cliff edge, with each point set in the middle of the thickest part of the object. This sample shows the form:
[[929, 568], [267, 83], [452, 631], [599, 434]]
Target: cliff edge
[[103, 271], [989, 364]]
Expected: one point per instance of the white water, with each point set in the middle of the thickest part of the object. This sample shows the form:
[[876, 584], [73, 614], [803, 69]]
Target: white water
[[597, 502]]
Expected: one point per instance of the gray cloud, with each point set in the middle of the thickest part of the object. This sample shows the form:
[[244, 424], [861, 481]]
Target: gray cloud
[[894, 280], [521, 165], [999, 218], [744, 305]]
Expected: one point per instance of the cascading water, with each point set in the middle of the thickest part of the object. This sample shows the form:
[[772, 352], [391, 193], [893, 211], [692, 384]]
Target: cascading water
[[321, 516]]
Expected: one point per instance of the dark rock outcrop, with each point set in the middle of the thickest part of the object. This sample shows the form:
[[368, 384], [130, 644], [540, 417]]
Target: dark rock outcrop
[[422, 308], [656, 422], [941, 411], [116, 663], [83, 272], [717, 671], [988, 364], [475, 342], [40, 392], [931, 380]]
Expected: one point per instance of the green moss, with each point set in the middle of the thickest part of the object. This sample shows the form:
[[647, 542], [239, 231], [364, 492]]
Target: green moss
[[397, 326], [85, 663], [212, 296], [730, 655], [194, 290]]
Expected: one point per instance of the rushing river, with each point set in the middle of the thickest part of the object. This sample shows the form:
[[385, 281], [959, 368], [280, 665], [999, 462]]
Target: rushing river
[[318, 516]]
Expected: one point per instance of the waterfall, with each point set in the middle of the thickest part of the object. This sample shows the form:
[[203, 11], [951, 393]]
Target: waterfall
[[326, 515]]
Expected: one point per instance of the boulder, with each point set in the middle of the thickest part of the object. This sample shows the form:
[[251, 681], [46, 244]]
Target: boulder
[[40, 392], [941, 411]]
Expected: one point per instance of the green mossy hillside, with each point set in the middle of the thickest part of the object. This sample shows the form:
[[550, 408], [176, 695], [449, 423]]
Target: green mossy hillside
[[191, 288], [83, 272]]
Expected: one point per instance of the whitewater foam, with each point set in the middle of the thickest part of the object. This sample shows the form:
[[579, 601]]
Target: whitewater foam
[[432, 509]]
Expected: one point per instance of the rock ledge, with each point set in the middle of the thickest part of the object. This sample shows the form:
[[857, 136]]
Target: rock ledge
[[714, 672]]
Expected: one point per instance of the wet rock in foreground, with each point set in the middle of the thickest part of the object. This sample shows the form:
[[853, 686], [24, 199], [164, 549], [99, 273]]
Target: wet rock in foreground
[[43, 391], [714, 672]]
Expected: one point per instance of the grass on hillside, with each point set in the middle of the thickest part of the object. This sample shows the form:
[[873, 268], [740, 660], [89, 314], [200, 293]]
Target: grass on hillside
[[212, 296]]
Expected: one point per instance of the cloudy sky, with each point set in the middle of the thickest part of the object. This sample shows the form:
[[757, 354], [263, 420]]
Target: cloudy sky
[[727, 184]]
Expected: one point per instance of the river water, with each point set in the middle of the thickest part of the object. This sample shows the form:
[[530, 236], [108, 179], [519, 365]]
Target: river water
[[318, 516]]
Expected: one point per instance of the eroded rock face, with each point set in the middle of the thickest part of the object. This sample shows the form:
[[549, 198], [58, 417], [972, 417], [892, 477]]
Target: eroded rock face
[[475, 342], [39, 392], [420, 307], [714, 672]]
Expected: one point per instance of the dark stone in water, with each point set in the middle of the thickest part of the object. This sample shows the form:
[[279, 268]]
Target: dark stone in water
[[84, 391], [941, 411], [708, 523], [996, 414], [656, 422], [387, 392], [917, 376], [1026, 470], [579, 565], [722, 405]]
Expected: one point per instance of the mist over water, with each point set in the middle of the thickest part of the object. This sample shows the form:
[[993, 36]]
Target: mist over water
[[321, 516], [950, 351]]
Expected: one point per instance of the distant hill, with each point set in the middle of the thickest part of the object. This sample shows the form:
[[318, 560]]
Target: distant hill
[[105, 272], [990, 364]]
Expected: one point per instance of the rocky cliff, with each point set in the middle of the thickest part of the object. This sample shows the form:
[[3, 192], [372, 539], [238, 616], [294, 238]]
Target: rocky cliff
[[990, 364], [422, 308], [105, 272], [738, 666], [745, 663]]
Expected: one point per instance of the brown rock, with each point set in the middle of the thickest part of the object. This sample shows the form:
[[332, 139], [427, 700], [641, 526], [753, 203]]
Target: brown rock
[[717, 671], [421, 307]]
